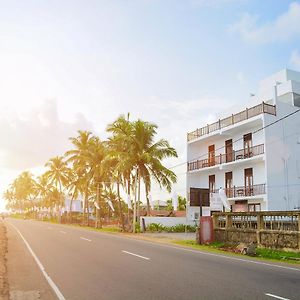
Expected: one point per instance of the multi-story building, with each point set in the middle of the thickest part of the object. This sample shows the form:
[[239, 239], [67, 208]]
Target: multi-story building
[[254, 155]]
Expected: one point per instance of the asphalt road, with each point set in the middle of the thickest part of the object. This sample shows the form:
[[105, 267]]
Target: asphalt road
[[86, 264]]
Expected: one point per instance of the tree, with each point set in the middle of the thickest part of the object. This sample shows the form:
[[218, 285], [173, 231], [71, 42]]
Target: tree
[[58, 174], [21, 193], [139, 157], [79, 157], [148, 156], [119, 157]]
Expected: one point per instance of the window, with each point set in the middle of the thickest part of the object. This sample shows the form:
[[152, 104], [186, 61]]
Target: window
[[211, 155], [212, 183], [228, 184], [228, 150], [248, 182], [254, 207], [198, 195], [248, 145]]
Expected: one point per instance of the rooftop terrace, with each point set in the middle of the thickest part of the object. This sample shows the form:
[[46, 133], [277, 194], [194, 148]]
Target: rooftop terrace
[[233, 119]]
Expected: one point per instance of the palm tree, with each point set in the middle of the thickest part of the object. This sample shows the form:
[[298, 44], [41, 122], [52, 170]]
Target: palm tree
[[139, 157], [120, 160], [23, 188], [79, 157], [58, 174], [148, 156], [99, 172], [75, 188], [120, 157]]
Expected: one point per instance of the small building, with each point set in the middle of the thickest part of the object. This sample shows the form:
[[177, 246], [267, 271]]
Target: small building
[[253, 154]]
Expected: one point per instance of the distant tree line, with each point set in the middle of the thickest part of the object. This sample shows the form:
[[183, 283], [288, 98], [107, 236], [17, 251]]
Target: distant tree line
[[98, 172]]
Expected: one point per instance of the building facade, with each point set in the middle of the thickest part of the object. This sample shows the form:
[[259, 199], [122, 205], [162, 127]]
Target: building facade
[[254, 155]]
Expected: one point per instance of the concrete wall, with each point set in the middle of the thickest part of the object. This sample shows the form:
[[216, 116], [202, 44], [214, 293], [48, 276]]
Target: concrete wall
[[166, 221], [283, 159], [268, 239]]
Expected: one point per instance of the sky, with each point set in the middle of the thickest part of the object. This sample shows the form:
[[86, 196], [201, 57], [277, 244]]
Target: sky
[[77, 65]]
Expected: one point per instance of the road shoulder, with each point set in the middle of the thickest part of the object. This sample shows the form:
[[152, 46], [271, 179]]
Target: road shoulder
[[26, 280]]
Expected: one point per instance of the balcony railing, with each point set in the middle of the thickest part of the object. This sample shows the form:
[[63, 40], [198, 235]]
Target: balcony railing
[[226, 158], [246, 191], [233, 119]]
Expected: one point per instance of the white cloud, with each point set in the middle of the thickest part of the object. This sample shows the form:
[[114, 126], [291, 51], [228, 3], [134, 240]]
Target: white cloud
[[214, 3], [240, 76], [285, 27], [295, 59], [30, 140]]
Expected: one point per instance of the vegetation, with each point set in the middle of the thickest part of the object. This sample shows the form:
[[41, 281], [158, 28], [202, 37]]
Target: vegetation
[[98, 173], [156, 227], [264, 253], [181, 203]]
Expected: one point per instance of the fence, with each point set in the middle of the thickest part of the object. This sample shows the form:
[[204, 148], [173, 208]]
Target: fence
[[233, 119], [280, 230]]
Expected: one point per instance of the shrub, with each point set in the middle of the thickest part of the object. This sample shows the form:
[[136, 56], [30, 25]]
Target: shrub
[[157, 227]]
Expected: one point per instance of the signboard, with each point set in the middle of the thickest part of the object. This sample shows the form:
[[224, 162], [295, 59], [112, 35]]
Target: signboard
[[215, 202], [199, 195]]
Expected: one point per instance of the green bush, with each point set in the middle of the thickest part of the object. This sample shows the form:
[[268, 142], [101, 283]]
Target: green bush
[[157, 227]]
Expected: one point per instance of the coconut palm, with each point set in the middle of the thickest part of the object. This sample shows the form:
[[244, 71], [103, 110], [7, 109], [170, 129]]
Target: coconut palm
[[58, 174], [119, 158], [148, 156], [79, 157], [139, 157]]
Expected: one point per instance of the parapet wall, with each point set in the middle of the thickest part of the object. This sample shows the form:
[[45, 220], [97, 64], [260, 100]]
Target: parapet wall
[[276, 230]]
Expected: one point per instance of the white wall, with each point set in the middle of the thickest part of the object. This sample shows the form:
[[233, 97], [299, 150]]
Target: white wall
[[282, 157], [166, 221]]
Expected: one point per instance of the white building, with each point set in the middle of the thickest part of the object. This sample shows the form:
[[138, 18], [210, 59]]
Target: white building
[[253, 154]]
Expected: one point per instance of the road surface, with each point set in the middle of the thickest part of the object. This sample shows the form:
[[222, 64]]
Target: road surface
[[85, 264]]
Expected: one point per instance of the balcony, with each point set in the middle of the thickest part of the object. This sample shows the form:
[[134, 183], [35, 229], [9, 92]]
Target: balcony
[[246, 191], [233, 119], [226, 158]]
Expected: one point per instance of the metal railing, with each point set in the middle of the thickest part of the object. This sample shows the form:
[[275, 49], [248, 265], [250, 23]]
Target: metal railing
[[246, 191], [233, 119], [226, 158]]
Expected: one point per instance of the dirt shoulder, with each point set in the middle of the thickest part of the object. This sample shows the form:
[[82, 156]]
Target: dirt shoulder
[[3, 263], [25, 279]]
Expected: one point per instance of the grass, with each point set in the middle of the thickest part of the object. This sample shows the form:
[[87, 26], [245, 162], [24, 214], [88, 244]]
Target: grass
[[278, 254], [261, 253]]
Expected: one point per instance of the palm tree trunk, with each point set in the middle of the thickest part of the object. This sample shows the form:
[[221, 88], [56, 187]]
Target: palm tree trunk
[[148, 202], [98, 223], [139, 199], [70, 209], [135, 200], [120, 206], [87, 206]]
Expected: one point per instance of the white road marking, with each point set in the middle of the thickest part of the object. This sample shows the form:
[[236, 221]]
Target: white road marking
[[195, 251], [85, 239], [63, 232], [42, 268], [143, 257], [276, 297]]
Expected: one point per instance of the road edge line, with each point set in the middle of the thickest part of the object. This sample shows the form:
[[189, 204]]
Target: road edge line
[[40, 265]]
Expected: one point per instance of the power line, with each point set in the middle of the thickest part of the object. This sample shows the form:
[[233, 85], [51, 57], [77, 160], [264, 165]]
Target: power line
[[239, 139]]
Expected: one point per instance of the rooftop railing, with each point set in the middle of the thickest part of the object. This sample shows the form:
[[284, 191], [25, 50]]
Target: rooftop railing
[[233, 119], [226, 158]]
